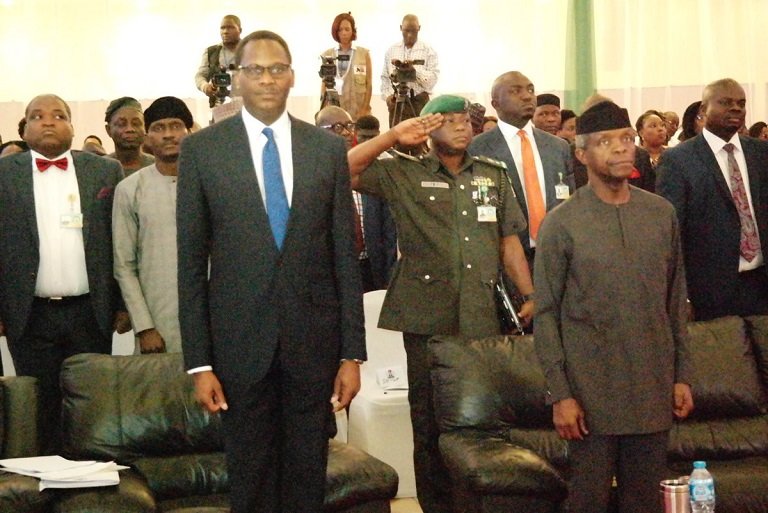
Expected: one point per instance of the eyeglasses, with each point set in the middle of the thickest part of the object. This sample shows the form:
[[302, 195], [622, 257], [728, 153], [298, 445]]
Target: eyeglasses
[[254, 71], [340, 127]]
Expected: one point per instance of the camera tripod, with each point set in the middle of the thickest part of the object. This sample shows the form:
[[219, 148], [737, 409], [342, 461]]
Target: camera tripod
[[331, 95], [403, 110]]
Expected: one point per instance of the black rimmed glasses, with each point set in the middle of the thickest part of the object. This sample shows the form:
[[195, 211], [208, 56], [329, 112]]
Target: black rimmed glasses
[[254, 71], [340, 127]]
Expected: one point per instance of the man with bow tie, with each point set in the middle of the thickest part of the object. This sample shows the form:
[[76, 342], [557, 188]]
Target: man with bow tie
[[57, 293]]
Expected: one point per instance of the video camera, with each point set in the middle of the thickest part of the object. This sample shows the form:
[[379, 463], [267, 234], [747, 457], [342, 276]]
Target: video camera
[[328, 69], [222, 82], [404, 71]]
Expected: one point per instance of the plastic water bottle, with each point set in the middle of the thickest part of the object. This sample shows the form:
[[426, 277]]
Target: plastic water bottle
[[702, 489]]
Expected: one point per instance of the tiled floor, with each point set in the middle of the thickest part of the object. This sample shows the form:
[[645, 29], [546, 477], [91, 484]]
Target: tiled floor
[[405, 506]]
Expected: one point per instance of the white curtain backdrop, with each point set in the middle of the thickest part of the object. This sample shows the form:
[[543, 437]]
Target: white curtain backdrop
[[649, 53]]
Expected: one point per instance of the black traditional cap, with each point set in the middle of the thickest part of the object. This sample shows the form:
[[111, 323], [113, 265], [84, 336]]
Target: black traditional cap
[[602, 116], [168, 107], [547, 99], [115, 105]]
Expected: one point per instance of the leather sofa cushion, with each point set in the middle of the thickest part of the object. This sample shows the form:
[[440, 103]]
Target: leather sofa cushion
[[112, 410], [725, 380], [185, 475], [490, 384]]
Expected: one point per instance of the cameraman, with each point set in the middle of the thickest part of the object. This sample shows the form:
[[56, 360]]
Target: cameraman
[[409, 50], [218, 56]]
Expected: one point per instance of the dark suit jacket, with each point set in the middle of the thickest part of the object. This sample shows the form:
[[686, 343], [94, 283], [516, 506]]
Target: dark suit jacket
[[690, 178], [308, 297], [555, 158], [19, 247], [380, 239]]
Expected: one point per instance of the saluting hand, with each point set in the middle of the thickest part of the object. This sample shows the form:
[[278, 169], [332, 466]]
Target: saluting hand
[[415, 131]]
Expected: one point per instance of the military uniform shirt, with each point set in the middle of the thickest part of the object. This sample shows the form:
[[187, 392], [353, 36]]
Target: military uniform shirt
[[444, 280]]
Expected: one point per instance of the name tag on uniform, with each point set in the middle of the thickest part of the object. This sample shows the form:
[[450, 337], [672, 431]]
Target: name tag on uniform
[[71, 220], [562, 192], [436, 185], [486, 214]]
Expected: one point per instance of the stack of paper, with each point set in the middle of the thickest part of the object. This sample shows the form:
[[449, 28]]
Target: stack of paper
[[58, 472]]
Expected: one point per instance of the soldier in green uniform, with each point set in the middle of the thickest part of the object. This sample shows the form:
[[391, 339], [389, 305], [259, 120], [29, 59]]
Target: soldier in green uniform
[[457, 223]]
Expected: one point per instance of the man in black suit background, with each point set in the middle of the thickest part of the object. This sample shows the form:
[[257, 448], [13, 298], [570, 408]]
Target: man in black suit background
[[277, 330], [718, 183], [57, 293]]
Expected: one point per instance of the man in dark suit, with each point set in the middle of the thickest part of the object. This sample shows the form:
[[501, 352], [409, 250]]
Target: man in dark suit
[[57, 293], [718, 183], [277, 330], [514, 98], [375, 235]]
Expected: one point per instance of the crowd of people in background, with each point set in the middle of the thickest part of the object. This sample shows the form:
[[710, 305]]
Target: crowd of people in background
[[218, 243]]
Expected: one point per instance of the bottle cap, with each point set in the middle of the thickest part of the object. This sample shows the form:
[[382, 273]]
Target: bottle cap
[[699, 464]]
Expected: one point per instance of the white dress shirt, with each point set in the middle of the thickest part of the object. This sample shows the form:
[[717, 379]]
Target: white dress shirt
[[62, 271], [514, 143], [717, 145]]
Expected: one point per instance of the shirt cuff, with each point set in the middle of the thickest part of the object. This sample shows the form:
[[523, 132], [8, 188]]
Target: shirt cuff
[[197, 370]]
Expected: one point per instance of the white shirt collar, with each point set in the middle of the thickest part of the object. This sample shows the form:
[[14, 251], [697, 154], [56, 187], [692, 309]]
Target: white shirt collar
[[510, 131], [717, 144]]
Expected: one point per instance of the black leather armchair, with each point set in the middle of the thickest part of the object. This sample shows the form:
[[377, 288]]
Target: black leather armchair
[[140, 411], [504, 455], [18, 436]]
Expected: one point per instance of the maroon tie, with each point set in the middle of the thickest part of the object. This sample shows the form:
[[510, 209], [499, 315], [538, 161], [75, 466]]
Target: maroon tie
[[750, 240], [44, 164]]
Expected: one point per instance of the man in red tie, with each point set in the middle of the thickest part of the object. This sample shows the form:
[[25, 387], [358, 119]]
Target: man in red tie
[[718, 183], [57, 293]]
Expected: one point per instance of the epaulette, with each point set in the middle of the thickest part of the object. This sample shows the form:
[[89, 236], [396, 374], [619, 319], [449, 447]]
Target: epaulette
[[493, 162], [406, 156]]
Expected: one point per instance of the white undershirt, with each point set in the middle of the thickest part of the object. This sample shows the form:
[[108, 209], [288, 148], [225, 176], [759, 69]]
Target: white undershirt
[[62, 270]]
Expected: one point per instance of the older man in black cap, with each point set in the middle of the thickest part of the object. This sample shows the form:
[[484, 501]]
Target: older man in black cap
[[125, 126], [144, 232], [457, 224], [612, 349], [547, 114]]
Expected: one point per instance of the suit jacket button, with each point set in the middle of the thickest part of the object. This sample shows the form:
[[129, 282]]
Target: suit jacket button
[[33, 275]]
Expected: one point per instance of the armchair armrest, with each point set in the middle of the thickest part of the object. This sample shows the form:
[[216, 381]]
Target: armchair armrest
[[132, 495], [19, 417], [485, 464]]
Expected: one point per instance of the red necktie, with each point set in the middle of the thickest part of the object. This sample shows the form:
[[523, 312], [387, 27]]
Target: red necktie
[[750, 240], [44, 164]]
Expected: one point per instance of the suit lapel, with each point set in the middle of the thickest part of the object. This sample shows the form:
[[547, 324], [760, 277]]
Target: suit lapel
[[709, 165], [87, 186], [755, 184], [302, 142], [543, 147], [26, 191]]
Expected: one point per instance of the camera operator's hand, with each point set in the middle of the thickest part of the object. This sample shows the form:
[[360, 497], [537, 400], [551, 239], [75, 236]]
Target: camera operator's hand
[[391, 101], [415, 131], [209, 89]]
